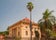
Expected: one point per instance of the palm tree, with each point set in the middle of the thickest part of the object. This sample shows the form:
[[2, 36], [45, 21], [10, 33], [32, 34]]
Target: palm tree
[[48, 18], [47, 21], [30, 7]]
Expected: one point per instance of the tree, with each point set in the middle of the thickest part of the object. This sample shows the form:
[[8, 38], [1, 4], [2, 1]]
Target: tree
[[46, 22], [5, 33], [30, 7]]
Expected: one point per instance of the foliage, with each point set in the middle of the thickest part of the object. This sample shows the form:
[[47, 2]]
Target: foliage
[[51, 33], [46, 24], [1, 32], [5, 32], [47, 20], [47, 14], [30, 6]]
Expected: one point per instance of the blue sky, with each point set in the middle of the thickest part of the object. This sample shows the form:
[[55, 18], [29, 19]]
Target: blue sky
[[12, 11]]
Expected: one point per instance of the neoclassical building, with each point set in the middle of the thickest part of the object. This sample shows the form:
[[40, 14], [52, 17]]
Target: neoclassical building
[[22, 29]]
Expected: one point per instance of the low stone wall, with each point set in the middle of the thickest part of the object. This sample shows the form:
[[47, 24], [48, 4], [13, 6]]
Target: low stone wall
[[11, 38], [27, 38], [8, 38]]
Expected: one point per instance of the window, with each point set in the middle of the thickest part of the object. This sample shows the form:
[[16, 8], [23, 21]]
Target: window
[[32, 32], [26, 32], [26, 26], [23, 22], [35, 29], [18, 33], [38, 28]]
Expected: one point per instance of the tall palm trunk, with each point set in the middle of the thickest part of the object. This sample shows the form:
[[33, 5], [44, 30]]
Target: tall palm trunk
[[30, 7], [30, 26]]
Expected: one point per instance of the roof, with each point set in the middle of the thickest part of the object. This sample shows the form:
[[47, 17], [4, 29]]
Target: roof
[[26, 20]]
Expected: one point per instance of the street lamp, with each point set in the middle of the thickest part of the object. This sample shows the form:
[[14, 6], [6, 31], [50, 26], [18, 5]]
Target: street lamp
[[30, 7]]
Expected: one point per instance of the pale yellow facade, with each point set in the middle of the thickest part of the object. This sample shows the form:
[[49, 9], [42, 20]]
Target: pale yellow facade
[[22, 29]]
